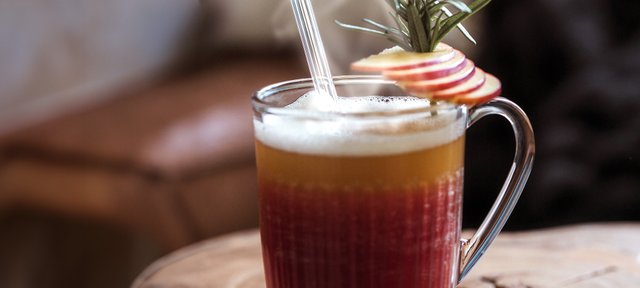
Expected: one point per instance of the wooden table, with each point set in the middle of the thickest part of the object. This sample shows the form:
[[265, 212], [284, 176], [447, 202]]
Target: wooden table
[[583, 256]]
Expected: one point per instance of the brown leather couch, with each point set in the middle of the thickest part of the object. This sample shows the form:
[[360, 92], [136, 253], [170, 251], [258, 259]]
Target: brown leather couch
[[169, 164], [175, 161]]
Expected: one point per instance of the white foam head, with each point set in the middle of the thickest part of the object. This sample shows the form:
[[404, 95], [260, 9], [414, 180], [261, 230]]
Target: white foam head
[[366, 136]]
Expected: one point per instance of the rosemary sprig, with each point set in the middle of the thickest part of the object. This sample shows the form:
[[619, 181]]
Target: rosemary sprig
[[421, 24]]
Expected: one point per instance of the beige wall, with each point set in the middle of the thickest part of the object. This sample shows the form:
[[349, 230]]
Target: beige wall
[[56, 54]]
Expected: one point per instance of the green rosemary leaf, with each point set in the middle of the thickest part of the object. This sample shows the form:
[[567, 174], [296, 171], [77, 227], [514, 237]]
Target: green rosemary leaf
[[458, 4], [450, 23], [426, 19], [436, 28], [419, 37], [421, 24], [403, 44], [477, 5], [441, 5], [403, 27], [402, 24], [413, 38], [455, 19], [398, 39], [383, 27], [396, 5], [402, 12], [460, 27], [466, 33], [363, 29], [433, 9], [421, 4]]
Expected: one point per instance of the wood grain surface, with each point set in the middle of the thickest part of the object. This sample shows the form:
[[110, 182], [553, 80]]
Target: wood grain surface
[[583, 256]]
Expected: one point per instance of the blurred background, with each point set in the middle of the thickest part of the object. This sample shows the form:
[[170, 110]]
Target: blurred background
[[125, 126]]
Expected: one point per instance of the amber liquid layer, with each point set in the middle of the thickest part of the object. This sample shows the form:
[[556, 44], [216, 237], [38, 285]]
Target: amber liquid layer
[[387, 225]]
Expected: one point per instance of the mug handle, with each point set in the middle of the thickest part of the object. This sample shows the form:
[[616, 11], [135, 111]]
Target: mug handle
[[473, 248]]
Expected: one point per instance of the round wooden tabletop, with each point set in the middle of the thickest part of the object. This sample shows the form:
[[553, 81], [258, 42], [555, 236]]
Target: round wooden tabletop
[[584, 256]]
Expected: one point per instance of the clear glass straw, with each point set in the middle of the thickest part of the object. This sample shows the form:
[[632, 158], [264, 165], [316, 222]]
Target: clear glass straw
[[313, 48]]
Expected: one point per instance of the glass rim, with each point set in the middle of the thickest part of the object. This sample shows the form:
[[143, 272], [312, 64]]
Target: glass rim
[[261, 106]]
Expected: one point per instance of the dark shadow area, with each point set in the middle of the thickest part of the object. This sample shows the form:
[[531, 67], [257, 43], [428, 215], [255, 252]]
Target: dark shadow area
[[574, 67], [44, 250]]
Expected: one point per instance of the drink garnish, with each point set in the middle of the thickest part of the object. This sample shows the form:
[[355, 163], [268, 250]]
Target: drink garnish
[[420, 63]]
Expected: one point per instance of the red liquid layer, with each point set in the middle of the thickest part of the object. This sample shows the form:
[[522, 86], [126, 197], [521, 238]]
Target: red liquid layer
[[317, 236]]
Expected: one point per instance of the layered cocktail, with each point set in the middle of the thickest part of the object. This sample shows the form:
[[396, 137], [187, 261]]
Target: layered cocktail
[[361, 182], [370, 197]]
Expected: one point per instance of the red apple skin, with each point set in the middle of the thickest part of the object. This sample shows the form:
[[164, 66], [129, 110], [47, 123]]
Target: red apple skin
[[425, 63], [469, 85], [429, 72], [445, 74], [393, 61], [489, 90], [443, 83]]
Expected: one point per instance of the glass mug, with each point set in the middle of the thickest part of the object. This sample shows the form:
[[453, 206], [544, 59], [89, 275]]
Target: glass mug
[[372, 197]]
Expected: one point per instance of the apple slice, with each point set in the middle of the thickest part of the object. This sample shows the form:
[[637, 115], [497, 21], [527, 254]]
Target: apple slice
[[432, 85], [397, 58], [490, 89], [443, 69], [472, 83]]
